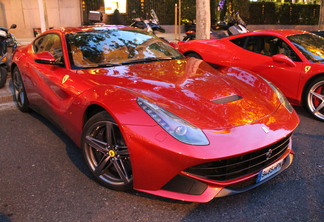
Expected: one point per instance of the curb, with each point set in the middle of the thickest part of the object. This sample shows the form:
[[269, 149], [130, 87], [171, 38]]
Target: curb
[[6, 98]]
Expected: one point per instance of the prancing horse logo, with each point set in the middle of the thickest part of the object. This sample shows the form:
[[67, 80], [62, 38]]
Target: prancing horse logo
[[268, 154]]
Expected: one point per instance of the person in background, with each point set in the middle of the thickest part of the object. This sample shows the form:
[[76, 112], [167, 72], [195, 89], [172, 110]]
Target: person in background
[[116, 18]]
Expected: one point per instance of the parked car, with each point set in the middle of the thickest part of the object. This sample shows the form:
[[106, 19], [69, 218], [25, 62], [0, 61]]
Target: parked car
[[291, 59], [146, 117]]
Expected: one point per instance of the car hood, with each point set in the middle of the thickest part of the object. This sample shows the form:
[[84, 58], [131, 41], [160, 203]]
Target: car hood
[[207, 97]]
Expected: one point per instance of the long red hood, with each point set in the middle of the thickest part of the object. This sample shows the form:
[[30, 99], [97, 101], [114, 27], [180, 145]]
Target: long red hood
[[207, 97]]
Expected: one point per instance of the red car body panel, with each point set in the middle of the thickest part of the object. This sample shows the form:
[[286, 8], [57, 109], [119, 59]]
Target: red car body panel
[[291, 80], [187, 87]]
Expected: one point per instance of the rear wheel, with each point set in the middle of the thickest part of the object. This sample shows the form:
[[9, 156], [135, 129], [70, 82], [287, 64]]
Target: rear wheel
[[106, 153], [314, 98], [159, 29], [193, 54], [20, 96], [3, 76]]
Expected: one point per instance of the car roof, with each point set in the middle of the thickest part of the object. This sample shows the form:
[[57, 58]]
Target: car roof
[[282, 32]]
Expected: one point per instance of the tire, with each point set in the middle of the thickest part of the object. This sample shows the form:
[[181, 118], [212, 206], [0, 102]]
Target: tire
[[3, 76], [20, 95], [162, 30], [314, 98], [186, 38], [193, 54], [105, 152]]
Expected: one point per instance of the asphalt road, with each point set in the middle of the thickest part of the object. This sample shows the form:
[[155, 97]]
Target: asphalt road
[[43, 178]]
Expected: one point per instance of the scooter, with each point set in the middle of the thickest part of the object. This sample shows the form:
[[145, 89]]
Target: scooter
[[150, 25], [223, 29], [7, 40]]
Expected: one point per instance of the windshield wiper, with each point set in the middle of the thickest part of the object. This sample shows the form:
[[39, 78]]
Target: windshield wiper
[[149, 59], [108, 64]]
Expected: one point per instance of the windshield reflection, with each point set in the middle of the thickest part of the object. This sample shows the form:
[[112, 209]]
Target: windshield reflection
[[107, 48], [311, 45]]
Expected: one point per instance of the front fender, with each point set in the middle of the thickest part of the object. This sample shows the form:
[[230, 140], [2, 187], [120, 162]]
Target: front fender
[[119, 103]]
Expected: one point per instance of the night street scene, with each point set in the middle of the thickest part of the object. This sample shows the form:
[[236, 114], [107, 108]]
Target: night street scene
[[173, 110]]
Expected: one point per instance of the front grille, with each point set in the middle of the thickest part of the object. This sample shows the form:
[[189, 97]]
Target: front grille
[[235, 167]]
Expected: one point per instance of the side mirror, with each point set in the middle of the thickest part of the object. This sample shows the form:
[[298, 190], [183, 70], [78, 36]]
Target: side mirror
[[45, 58], [13, 26], [284, 59]]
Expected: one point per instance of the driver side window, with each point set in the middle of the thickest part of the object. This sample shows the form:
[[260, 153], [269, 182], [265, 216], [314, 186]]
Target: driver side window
[[50, 43], [267, 45]]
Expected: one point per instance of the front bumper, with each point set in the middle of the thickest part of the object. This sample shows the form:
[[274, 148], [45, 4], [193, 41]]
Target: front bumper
[[159, 161], [190, 189]]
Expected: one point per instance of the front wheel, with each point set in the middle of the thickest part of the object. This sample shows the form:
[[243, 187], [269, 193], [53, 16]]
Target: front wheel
[[3, 76], [20, 96], [314, 98], [106, 152]]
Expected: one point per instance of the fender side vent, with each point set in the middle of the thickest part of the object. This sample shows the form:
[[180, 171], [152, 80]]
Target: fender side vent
[[228, 99]]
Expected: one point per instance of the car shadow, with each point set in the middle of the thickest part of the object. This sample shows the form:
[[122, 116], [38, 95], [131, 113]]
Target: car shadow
[[73, 151], [301, 111]]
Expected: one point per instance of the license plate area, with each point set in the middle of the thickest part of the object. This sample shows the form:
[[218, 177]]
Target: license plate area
[[269, 171]]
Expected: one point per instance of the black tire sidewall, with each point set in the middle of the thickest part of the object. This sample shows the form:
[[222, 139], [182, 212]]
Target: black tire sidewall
[[194, 55], [3, 76], [22, 107]]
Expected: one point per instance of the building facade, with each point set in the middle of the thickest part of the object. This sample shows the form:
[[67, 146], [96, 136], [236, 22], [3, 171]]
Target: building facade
[[26, 14], [62, 13]]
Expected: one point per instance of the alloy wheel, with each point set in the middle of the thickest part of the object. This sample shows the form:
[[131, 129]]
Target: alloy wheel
[[315, 99], [19, 92], [106, 154]]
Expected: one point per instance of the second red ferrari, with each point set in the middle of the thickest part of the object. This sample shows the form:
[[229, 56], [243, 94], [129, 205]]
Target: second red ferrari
[[291, 59]]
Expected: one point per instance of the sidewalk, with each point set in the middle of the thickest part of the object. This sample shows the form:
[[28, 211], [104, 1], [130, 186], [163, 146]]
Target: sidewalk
[[6, 98]]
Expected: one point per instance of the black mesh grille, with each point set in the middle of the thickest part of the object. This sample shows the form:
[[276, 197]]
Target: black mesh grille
[[239, 166]]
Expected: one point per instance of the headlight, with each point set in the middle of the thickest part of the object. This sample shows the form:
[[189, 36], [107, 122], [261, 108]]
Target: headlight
[[280, 96], [174, 125]]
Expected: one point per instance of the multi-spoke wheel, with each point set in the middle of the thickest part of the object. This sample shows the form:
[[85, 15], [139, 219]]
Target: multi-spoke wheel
[[314, 98], [20, 96], [106, 153]]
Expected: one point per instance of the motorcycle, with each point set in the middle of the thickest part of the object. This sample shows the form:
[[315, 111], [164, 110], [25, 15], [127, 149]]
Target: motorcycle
[[7, 40], [150, 25], [234, 26]]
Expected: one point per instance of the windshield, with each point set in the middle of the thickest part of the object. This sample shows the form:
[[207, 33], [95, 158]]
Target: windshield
[[106, 48], [311, 45]]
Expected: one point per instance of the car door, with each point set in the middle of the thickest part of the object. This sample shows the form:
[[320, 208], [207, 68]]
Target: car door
[[51, 89], [256, 53]]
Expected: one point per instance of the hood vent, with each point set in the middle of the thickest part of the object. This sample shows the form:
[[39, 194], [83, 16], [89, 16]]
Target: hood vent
[[227, 99]]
